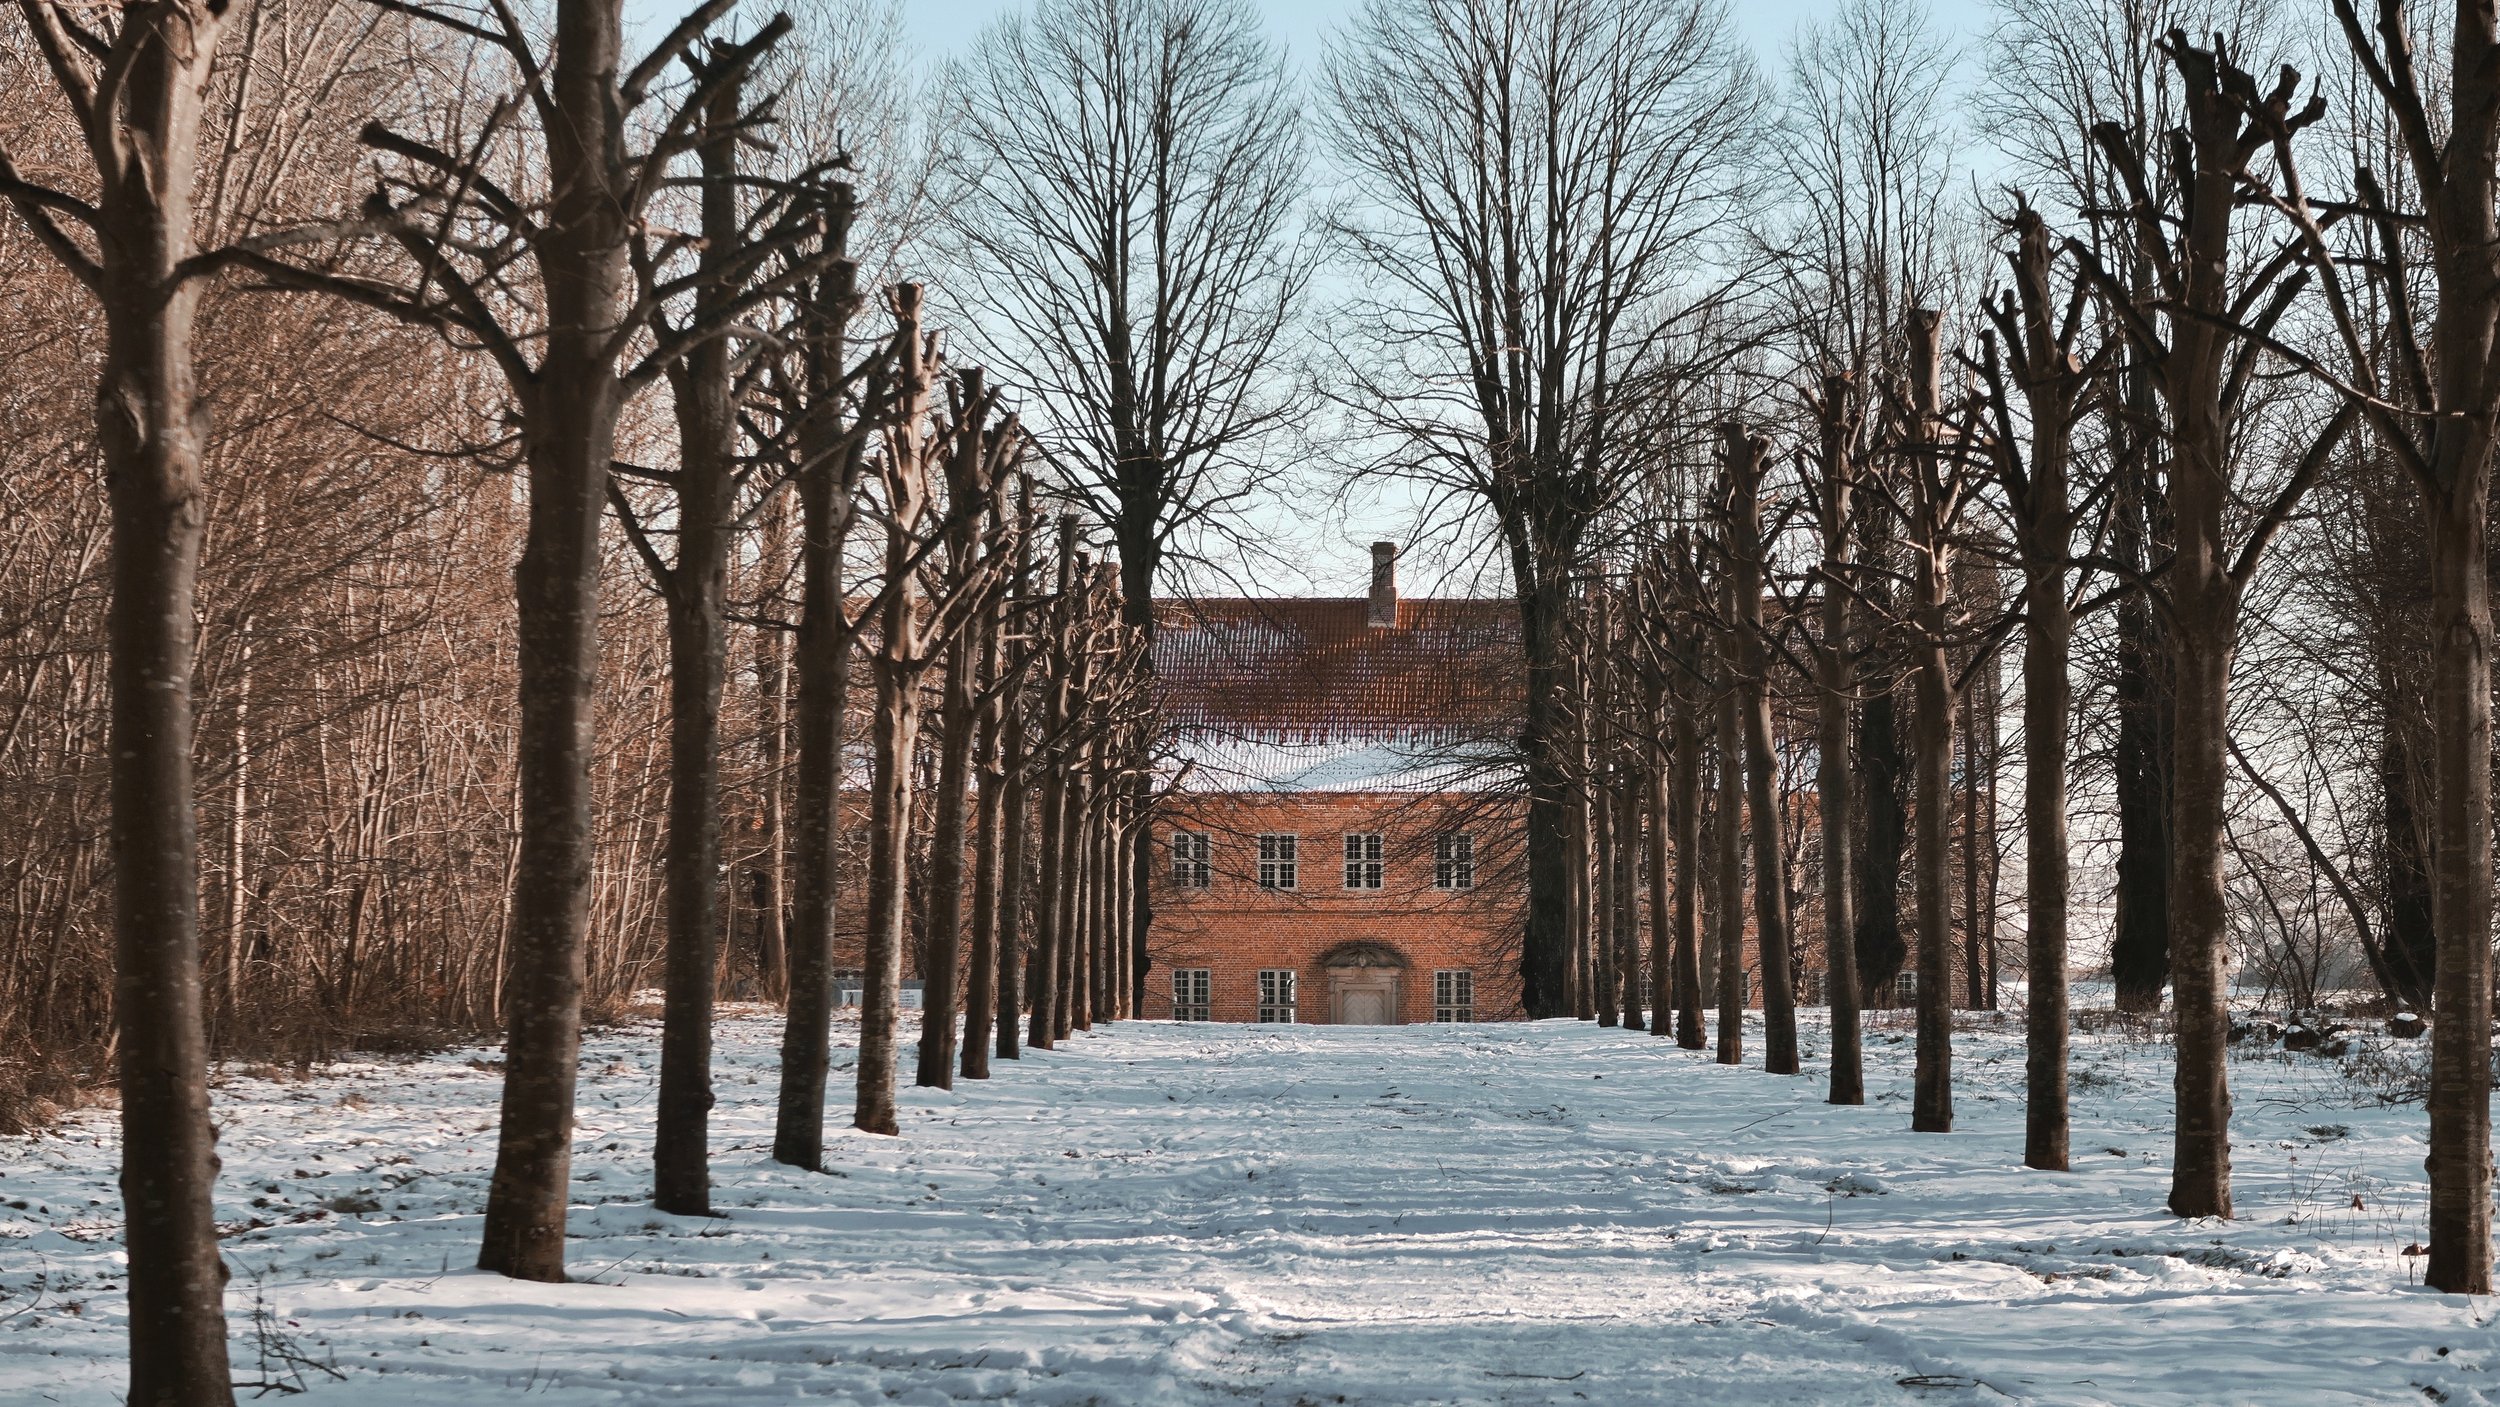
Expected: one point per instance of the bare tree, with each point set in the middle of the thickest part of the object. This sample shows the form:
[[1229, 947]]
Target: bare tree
[[1744, 459], [2036, 333], [549, 293], [136, 87], [2219, 321], [2434, 411], [1540, 179], [1122, 188], [917, 620]]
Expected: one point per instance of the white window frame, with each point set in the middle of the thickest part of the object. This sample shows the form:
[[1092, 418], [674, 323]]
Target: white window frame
[[1366, 860], [1192, 860], [1280, 993], [1454, 994], [1454, 860], [1280, 861], [1192, 992]]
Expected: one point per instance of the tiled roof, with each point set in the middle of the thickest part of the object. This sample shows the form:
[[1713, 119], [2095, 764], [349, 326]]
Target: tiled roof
[[1307, 671]]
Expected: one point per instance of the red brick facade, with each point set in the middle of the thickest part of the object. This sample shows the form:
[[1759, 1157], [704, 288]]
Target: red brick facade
[[1366, 955]]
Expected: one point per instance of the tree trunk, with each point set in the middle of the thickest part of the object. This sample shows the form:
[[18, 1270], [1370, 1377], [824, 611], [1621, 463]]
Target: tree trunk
[[1883, 833], [823, 665], [2146, 696], [1545, 954], [1684, 761], [773, 760], [1835, 781], [1011, 892], [1932, 730], [696, 591], [1603, 946], [1049, 908], [981, 990], [889, 847], [1728, 818], [1658, 801], [153, 432], [2460, 1093], [1627, 832], [1746, 458], [1932, 758], [942, 944]]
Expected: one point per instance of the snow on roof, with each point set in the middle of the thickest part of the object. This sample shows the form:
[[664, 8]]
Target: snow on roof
[[1281, 762], [1307, 694]]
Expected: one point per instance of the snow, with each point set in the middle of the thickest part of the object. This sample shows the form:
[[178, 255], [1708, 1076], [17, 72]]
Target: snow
[[1412, 763], [1520, 1214]]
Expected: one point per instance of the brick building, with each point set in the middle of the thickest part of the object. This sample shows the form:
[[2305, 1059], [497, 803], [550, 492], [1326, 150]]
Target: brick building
[[1340, 849]]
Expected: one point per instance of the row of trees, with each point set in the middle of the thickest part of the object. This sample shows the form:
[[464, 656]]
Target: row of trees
[[2127, 420], [633, 286]]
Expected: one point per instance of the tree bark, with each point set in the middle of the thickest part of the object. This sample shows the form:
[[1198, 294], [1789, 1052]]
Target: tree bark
[[981, 988], [569, 441], [826, 477], [1746, 457], [153, 432], [1684, 762], [897, 729], [1835, 781], [1627, 830], [1728, 822], [1932, 752], [696, 591], [1012, 948], [942, 945]]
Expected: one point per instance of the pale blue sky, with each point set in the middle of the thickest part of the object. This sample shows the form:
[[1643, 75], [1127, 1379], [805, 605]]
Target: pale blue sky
[[939, 27]]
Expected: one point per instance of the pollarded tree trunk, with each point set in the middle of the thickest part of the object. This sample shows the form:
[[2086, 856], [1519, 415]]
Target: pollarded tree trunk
[[1016, 807], [1625, 795], [772, 688], [696, 592], [152, 430], [1658, 800], [1545, 952], [1685, 766], [2200, 1179], [1605, 964], [981, 988], [1579, 980], [1746, 457], [942, 943], [2052, 383], [1931, 685], [1932, 763], [1049, 909], [2460, 1093], [1728, 835], [897, 727], [2147, 702], [826, 478], [1073, 934], [1835, 779]]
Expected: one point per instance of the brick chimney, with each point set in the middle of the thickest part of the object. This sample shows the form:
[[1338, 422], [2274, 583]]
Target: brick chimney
[[1384, 611]]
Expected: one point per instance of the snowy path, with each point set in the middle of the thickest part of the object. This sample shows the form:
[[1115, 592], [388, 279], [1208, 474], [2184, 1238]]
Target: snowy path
[[1515, 1214]]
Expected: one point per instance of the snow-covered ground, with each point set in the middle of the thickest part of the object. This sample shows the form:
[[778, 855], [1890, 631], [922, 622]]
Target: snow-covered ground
[[1519, 1214]]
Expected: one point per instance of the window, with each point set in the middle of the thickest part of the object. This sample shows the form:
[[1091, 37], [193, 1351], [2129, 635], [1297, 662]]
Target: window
[[1454, 995], [1814, 986], [1363, 865], [1190, 867], [1189, 993], [1905, 988], [1279, 866], [1454, 861], [1278, 991]]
